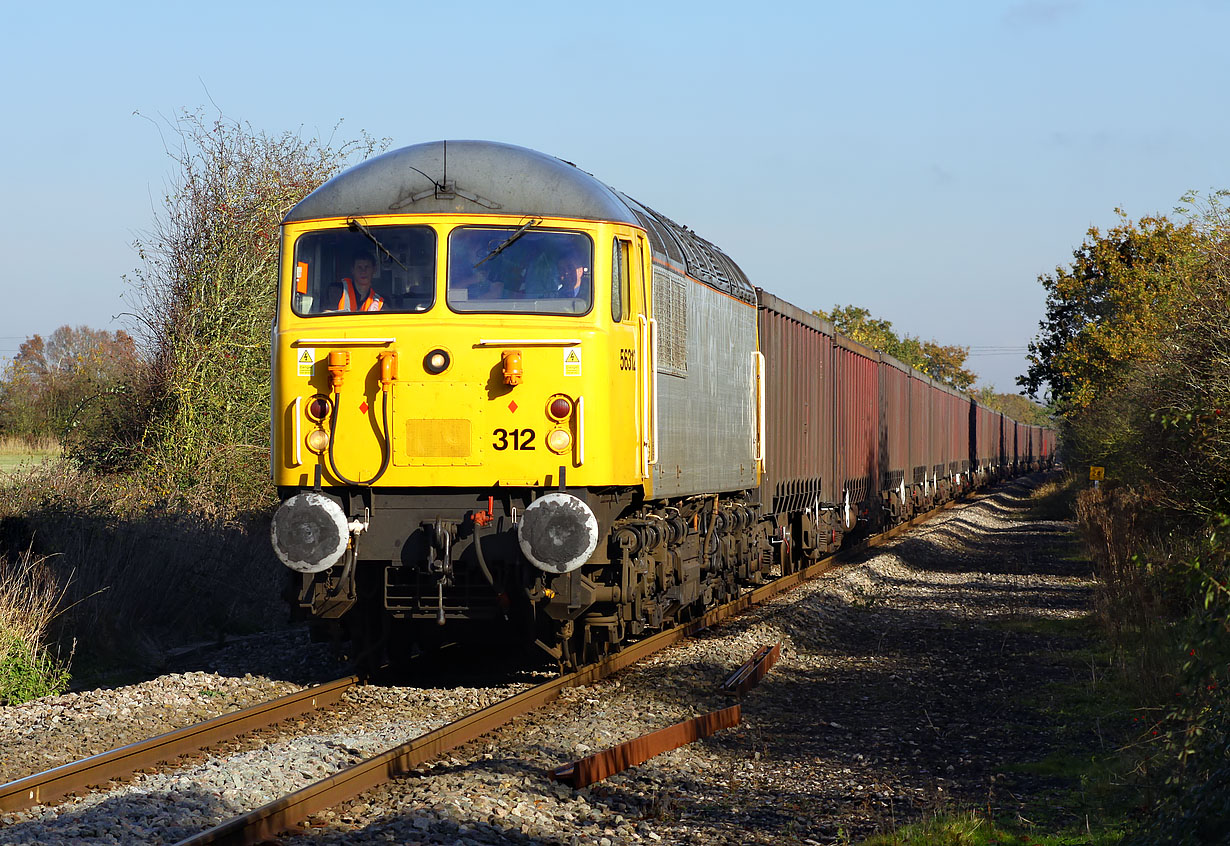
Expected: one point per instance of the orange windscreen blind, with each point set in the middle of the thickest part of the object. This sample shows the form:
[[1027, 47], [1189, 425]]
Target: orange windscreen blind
[[301, 277]]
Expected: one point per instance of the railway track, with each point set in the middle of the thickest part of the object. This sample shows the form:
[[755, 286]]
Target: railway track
[[283, 814], [286, 812], [125, 761]]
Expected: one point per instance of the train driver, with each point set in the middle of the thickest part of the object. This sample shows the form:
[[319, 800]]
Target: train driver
[[355, 291], [565, 276], [573, 274], [481, 273]]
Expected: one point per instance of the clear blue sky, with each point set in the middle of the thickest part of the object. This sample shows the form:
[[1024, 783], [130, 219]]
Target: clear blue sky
[[924, 160]]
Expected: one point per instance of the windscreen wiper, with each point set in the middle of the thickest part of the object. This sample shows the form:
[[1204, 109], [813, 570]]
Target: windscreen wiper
[[355, 226], [509, 241]]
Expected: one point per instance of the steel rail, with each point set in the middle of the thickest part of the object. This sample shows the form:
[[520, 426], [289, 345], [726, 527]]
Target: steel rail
[[126, 760], [606, 763], [283, 814], [752, 671], [265, 823]]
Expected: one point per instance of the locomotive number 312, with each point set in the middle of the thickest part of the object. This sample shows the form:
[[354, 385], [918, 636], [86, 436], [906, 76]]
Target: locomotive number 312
[[515, 438]]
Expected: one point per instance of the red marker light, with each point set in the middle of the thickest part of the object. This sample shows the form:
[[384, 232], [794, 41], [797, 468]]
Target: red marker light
[[318, 409], [559, 408]]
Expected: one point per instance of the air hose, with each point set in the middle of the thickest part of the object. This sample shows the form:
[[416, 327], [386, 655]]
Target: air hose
[[482, 559], [386, 449]]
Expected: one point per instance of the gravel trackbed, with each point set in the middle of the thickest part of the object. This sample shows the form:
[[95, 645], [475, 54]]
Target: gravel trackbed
[[912, 679]]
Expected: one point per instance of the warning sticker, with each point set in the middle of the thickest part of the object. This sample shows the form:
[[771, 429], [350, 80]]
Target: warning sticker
[[572, 362], [307, 359]]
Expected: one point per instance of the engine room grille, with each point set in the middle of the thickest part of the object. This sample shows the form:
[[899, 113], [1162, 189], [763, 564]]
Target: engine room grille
[[670, 307], [438, 438]]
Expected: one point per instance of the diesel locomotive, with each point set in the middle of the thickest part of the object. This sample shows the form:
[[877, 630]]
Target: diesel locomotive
[[510, 399]]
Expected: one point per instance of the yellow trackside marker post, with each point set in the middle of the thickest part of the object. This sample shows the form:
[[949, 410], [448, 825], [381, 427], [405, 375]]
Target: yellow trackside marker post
[[1096, 474]]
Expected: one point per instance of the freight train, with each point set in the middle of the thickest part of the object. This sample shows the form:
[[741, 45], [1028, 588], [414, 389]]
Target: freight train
[[511, 402]]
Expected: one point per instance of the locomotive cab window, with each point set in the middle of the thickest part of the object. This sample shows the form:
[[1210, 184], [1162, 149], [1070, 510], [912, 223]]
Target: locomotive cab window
[[519, 269], [619, 279], [367, 269]]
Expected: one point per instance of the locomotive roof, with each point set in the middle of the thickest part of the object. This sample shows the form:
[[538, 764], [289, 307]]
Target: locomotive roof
[[486, 177]]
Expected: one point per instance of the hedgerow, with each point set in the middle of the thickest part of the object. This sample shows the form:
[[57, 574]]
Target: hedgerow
[[204, 299], [1136, 349]]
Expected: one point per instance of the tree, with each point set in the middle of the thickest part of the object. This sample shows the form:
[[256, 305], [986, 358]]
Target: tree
[[943, 363], [205, 299], [1105, 312], [1015, 406], [50, 385]]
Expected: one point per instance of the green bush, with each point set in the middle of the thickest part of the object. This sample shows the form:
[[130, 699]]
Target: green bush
[[1187, 741], [206, 297], [27, 670]]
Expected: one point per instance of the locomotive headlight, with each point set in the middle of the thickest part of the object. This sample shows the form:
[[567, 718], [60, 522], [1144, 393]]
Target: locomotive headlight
[[317, 440], [436, 361], [559, 441], [558, 532], [309, 532]]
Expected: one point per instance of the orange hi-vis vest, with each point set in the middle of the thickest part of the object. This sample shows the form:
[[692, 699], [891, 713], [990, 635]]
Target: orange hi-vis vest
[[374, 301]]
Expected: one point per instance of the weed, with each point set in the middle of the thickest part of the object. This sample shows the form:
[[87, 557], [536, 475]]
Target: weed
[[973, 828], [1055, 499], [661, 806], [28, 671]]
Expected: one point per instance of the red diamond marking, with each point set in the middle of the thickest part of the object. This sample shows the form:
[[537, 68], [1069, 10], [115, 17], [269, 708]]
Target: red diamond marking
[[363, 407], [512, 406]]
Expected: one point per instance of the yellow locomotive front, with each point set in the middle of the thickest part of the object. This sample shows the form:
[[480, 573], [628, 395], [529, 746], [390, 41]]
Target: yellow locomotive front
[[462, 393]]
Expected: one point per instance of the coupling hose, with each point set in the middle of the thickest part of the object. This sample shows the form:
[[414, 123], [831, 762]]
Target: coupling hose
[[386, 449]]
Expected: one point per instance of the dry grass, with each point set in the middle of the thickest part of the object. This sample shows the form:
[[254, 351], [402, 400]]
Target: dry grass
[[1120, 526], [16, 453], [142, 576], [1055, 499], [10, 445], [30, 599], [1143, 590]]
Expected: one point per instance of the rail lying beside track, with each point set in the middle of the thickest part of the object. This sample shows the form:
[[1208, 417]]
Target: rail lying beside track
[[753, 670], [595, 768], [126, 760]]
